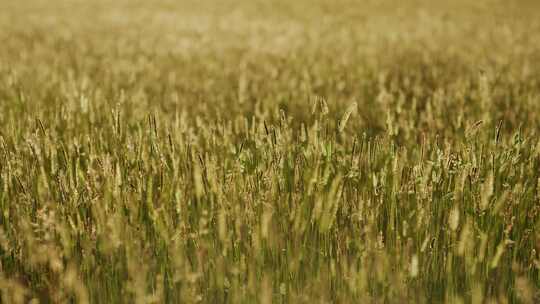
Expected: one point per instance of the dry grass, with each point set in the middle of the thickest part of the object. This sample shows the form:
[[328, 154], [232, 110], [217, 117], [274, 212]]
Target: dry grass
[[248, 151]]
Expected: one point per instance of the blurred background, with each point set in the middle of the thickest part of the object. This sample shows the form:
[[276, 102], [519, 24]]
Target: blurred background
[[187, 55]]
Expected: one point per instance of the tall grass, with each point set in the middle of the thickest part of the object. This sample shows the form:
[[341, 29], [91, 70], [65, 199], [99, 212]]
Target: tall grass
[[251, 152]]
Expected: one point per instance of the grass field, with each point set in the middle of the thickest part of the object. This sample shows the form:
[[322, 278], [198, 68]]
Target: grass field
[[269, 151]]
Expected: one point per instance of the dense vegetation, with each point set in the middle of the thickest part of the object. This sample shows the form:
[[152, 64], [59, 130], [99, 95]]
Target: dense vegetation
[[268, 151]]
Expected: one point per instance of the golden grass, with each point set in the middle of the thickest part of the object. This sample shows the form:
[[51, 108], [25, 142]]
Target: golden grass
[[255, 151]]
